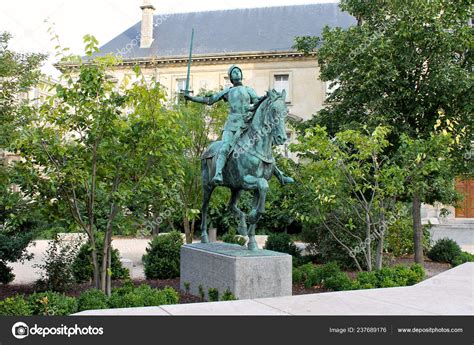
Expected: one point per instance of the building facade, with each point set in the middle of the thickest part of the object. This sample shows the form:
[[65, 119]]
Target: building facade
[[259, 40]]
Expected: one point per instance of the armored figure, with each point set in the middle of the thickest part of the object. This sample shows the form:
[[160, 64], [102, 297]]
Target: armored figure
[[243, 101]]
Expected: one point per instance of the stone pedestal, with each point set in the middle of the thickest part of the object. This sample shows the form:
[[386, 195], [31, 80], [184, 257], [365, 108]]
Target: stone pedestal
[[247, 274]]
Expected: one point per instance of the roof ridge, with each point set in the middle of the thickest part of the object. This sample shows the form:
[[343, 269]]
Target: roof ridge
[[245, 8]]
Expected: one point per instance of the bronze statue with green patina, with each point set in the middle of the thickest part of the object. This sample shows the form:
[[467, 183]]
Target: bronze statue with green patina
[[243, 159]]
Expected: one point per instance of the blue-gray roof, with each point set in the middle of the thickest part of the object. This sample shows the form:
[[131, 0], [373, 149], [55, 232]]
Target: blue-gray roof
[[267, 29]]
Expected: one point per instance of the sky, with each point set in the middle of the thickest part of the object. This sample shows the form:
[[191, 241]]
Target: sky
[[28, 20]]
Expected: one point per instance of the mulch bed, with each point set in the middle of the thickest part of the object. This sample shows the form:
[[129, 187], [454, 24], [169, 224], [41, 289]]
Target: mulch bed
[[431, 268]]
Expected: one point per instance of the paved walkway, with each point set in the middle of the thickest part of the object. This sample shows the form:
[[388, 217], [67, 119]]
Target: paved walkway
[[130, 249], [448, 293]]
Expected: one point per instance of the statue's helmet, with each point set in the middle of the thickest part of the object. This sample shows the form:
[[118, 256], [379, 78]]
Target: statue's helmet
[[231, 68]]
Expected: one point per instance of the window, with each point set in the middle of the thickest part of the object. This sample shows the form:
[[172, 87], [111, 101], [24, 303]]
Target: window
[[227, 83], [282, 82], [180, 85]]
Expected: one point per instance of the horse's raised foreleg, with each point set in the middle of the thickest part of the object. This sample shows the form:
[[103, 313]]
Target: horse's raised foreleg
[[207, 189], [234, 198]]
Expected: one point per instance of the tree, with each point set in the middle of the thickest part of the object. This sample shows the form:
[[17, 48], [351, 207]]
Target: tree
[[18, 73], [401, 66], [94, 146], [353, 188]]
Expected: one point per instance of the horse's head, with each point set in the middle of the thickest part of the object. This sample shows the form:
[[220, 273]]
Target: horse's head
[[274, 116]]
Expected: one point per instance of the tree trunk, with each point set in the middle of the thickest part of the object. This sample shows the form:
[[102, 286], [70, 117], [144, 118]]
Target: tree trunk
[[95, 264], [156, 229], [379, 254], [368, 243], [108, 286], [417, 229]]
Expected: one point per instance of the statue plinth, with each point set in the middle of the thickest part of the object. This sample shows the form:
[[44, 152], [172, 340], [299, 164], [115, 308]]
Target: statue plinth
[[247, 274]]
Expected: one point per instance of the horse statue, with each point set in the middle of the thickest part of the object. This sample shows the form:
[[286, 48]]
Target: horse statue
[[249, 165]]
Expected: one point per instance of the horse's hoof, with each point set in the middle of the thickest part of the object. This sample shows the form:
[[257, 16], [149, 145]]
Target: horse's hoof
[[287, 180], [217, 180]]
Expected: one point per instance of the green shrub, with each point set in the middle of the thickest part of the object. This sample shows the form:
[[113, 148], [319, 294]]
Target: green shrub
[[231, 237], [366, 280], [83, 269], [142, 296], [338, 282], [15, 306], [297, 275], [281, 242], [399, 236], [6, 275], [398, 275], [326, 271], [202, 294], [326, 249], [213, 294], [92, 299], [445, 250], [309, 275], [161, 260], [52, 303], [56, 269], [228, 296], [462, 258], [417, 275]]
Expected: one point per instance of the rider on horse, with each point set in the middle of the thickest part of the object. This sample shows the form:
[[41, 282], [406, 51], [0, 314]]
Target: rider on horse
[[243, 101]]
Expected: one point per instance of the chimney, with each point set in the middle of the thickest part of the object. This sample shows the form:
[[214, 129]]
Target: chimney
[[146, 37]]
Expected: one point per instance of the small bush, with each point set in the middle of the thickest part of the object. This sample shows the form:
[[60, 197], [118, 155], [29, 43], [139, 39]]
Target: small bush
[[228, 296], [187, 286], [281, 242], [52, 303], [462, 258], [418, 273], [338, 282], [213, 294], [15, 306], [202, 294], [92, 299], [309, 275], [161, 260], [398, 275], [6, 275], [366, 280], [57, 273], [445, 250], [142, 296], [297, 275], [232, 237], [83, 268], [322, 273]]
